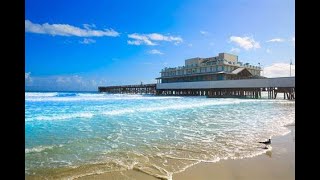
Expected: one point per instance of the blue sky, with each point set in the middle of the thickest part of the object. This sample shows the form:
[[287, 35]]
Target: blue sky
[[79, 45]]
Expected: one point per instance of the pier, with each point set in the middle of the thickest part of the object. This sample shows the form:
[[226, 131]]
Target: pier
[[244, 88], [130, 89]]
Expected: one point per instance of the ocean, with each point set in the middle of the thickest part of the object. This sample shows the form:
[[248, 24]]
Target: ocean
[[76, 134]]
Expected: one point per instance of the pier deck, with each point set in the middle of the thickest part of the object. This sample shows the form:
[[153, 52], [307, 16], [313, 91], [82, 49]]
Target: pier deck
[[130, 89], [244, 88]]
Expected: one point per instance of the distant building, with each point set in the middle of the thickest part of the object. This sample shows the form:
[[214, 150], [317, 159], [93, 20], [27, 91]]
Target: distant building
[[222, 67]]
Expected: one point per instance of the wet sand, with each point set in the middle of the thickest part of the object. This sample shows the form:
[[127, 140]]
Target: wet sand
[[277, 164]]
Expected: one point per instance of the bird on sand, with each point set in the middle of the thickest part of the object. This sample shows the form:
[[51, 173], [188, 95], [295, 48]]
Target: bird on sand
[[266, 143]]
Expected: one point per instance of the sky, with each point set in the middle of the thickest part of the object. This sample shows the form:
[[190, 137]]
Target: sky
[[79, 45]]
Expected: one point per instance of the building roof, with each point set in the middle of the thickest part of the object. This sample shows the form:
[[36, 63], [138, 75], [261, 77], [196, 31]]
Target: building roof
[[236, 71]]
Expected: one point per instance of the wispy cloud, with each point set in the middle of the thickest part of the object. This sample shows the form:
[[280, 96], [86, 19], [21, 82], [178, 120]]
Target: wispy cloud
[[87, 41], [140, 39], [27, 77], [293, 39], [268, 51], [155, 51], [279, 70], [89, 26], [276, 40], [245, 42], [67, 30], [147, 39], [235, 50], [204, 32], [190, 45]]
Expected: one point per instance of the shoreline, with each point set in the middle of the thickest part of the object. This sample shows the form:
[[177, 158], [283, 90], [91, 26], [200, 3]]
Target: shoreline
[[277, 163]]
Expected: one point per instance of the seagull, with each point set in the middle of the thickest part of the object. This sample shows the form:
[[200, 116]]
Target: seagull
[[266, 142]]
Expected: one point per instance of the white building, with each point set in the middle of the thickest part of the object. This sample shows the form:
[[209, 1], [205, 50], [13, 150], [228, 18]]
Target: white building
[[222, 67]]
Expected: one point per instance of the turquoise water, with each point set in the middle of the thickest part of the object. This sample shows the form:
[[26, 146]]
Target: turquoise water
[[72, 135]]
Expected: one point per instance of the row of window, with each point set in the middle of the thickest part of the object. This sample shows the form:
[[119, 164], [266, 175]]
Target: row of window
[[199, 70]]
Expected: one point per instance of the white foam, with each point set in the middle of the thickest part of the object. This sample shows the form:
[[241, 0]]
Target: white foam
[[38, 149], [35, 94], [118, 112], [169, 107], [91, 97], [63, 116]]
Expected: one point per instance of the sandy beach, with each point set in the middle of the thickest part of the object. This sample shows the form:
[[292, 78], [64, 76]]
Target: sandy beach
[[277, 164]]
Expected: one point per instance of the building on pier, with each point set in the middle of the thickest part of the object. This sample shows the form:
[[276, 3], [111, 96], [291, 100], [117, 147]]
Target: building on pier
[[222, 67], [222, 76]]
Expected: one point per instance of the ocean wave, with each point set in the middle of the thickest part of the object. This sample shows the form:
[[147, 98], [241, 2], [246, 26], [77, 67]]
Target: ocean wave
[[35, 94], [170, 107], [65, 97], [40, 149], [63, 116]]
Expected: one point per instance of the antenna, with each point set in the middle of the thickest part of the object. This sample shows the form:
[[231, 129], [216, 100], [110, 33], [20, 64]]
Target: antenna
[[290, 66]]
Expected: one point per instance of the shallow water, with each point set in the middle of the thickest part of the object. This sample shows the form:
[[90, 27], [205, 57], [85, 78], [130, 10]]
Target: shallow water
[[71, 135]]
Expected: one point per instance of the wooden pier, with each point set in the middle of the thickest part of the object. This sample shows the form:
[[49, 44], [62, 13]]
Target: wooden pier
[[254, 93], [245, 88], [130, 89]]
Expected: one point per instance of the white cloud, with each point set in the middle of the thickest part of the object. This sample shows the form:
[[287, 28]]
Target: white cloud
[[293, 39], [89, 26], [245, 42], [155, 51], [67, 30], [235, 50], [268, 51], [27, 77], [134, 42], [276, 40], [279, 70], [204, 33], [160, 37], [190, 45], [140, 39], [148, 39], [87, 41]]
